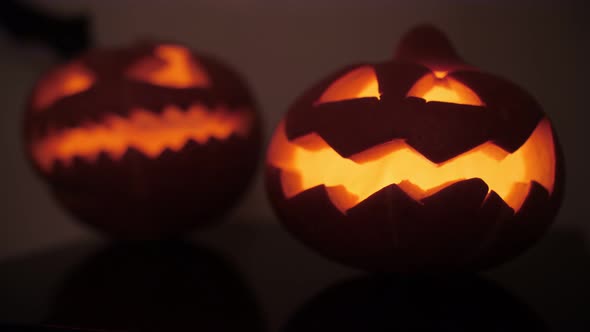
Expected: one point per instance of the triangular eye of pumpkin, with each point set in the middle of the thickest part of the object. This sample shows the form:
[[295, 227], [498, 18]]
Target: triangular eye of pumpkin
[[437, 86], [63, 82], [358, 83], [173, 66]]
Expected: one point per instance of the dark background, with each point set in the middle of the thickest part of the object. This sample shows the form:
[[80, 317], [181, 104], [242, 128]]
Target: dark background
[[51, 266], [282, 47]]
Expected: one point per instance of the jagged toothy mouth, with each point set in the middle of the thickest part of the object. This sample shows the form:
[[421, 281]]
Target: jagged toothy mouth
[[311, 162], [144, 130]]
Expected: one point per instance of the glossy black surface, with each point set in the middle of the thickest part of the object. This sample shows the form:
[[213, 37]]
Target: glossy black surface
[[257, 278]]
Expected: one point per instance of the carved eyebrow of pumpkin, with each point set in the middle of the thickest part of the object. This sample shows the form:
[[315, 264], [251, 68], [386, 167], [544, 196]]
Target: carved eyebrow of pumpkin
[[65, 81], [170, 66], [358, 83]]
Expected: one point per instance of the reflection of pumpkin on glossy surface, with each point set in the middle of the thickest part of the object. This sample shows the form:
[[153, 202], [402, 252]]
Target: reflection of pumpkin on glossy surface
[[146, 141], [153, 286], [423, 163], [394, 303]]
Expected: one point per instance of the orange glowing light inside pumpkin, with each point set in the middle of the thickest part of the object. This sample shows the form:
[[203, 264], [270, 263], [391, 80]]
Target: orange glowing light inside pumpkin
[[437, 86], [350, 181], [63, 82], [148, 132], [358, 83], [174, 66], [440, 73]]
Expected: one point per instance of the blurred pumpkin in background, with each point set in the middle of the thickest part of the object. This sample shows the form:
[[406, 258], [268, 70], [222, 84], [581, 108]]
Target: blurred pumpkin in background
[[146, 141]]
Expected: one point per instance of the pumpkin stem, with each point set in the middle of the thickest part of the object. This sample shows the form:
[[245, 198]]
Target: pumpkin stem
[[429, 46]]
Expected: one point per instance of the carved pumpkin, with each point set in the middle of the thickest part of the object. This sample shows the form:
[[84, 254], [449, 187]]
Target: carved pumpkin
[[422, 163], [146, 141]]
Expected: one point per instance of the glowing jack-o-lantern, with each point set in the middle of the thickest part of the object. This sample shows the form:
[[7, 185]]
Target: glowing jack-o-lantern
[[422, 163], [146, 141]]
